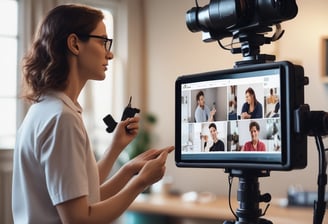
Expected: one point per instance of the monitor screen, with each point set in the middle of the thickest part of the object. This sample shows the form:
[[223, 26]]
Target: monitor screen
[[238, 118]]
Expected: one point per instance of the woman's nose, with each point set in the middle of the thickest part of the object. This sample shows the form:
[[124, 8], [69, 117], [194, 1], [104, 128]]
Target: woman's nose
[[109, 55]]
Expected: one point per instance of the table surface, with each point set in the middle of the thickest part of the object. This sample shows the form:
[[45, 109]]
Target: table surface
[[217, 209]]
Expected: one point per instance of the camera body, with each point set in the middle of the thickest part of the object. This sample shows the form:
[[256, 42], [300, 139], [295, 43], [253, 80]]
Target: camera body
[[221, 18], [285, 148]]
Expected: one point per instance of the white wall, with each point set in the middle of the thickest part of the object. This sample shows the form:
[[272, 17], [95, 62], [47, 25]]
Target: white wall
[[171, 50]]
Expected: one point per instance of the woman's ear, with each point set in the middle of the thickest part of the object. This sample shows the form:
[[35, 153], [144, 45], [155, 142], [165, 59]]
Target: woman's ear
[[73, 44]]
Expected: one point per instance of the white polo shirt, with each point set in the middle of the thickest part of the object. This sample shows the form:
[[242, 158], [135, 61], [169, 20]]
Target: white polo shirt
[[53, 161]]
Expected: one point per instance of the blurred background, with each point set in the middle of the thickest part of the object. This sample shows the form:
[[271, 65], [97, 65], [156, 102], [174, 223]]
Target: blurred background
[[152, 47]]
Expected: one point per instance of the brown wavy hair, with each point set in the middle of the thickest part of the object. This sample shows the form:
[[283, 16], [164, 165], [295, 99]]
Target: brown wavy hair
[[251, 92], [45, 66]]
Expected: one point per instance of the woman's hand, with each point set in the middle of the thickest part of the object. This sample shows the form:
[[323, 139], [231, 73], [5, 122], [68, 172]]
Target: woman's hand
[[135, 165], [153, 170], [245, 115], [125, 132]]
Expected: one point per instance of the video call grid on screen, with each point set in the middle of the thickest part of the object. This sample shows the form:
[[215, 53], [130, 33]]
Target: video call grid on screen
[[227, 96]]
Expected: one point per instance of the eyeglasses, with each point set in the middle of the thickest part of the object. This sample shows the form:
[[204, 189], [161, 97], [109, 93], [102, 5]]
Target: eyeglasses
[[107, 42]]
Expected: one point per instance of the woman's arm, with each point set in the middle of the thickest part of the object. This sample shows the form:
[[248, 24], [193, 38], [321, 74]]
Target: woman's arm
[[244, 111], [79, 211], [128, 171], [124, 133], [258, 111]]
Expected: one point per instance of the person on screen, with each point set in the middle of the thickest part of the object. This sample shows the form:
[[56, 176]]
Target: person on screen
[[203, 112], [232, 103], [218, 145], [272, 98], [255, 144], [251, 108]]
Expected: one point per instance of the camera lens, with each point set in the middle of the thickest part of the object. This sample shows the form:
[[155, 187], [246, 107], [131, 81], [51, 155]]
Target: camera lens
[[192, 20], [218, 15]]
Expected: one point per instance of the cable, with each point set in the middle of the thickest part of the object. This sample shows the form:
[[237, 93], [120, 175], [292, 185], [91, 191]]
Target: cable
[[232, 49], [222, 46], [320, 204], [196, 3], [230, 179]]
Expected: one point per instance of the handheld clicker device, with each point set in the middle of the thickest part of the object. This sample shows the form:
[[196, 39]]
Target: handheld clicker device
[[129, 111]]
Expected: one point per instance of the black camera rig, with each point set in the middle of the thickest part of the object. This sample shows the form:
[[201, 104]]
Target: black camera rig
[[248, 23]]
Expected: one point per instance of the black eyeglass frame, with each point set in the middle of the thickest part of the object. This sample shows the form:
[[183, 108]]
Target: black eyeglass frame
[[106, 40]]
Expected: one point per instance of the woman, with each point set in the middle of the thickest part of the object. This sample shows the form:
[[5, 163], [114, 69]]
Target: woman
[[56, 177], [251, 108], [255, 144], [218, 145]]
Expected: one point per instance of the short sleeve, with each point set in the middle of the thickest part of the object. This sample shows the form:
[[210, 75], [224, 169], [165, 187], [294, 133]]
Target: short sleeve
[[63, 158]]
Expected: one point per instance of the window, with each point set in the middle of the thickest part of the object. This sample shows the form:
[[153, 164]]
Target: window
[[8, 65], [96, 98]]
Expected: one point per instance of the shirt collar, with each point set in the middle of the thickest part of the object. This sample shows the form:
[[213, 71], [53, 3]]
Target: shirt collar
[[63, 97]]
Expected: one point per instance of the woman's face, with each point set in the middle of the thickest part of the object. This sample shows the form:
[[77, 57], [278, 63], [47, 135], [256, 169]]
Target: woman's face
[[254, 133], [93, 58], [213, 133], [249, 98]]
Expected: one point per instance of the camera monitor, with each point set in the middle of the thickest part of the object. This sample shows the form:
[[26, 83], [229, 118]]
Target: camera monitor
[[241, 118]]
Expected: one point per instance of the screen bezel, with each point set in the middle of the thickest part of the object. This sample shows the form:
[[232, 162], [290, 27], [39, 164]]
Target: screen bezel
[[293, 145]]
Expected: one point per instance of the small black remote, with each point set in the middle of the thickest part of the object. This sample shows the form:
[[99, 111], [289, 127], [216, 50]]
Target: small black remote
[[128, 112], [110, 122]]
